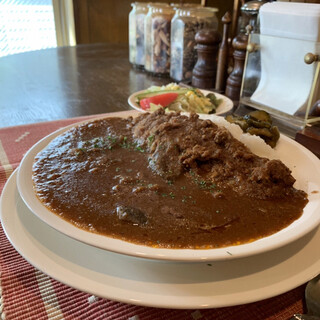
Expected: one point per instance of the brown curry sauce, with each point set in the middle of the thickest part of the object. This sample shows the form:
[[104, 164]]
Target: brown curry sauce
[[101, 177]]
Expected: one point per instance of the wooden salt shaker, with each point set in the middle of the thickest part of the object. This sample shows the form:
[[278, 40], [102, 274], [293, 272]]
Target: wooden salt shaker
[[205, 69]]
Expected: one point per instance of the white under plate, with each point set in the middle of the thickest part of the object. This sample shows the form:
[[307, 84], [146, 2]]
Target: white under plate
[[225, 106], [156, 283], [305, 168]]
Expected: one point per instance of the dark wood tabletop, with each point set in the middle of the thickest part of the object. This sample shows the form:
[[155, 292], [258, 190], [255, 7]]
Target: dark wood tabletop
[[66, 82]]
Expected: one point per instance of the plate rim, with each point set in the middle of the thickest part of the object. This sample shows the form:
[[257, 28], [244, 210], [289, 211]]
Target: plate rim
[[120, 246]]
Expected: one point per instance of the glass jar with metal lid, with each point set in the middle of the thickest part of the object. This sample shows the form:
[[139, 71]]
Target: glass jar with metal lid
[[132, 34], [157, 38], [250, 15], [186, 22], [136, 33]]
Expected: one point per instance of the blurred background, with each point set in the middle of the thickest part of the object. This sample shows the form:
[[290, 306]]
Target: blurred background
[[27, 25]]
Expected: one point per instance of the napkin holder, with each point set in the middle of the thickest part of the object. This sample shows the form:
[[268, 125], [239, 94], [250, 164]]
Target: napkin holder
[[259, 83]]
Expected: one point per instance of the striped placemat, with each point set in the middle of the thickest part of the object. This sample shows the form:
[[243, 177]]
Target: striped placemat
[[27, 293]]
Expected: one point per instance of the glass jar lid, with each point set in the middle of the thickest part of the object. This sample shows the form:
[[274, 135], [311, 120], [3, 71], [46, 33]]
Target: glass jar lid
[[252, 7]]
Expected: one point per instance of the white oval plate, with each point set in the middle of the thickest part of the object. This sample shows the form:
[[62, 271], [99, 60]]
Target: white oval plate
[[224, 107], [306, 170], [150, 282]]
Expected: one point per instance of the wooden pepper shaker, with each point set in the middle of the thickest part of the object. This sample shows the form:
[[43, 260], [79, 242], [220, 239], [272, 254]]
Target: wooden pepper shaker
[[205, 69], [234, 80]]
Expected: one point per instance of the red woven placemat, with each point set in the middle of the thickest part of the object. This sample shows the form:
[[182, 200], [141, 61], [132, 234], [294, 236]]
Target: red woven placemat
[[27, 293]]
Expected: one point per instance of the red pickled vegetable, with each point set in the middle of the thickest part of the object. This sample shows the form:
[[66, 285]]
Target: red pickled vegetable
[[160, 99]]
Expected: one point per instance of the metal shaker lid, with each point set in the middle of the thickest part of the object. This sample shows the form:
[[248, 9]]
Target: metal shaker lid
[[252, 7]]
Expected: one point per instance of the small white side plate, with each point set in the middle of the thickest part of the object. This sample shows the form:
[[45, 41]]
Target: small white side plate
[[224, 107]]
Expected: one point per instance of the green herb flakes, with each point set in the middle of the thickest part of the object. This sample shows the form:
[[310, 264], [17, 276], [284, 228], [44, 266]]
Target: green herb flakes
[[151, 139]]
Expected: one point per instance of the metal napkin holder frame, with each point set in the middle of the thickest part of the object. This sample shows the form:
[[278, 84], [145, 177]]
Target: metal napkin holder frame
[[251, 78]]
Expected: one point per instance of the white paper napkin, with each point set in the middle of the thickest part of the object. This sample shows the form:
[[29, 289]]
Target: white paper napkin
[[288, 32]]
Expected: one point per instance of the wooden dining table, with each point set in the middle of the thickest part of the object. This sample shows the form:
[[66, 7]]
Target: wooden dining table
[[66, 82], [40, 92]]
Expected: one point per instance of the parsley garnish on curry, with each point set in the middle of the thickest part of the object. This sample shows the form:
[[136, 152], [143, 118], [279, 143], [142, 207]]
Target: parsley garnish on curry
[[165, 180]]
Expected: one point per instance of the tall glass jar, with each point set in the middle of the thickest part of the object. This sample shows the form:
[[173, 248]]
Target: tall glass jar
[[157, 38], [132, 34], [142, 9], [136, 33], [184, 26]]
